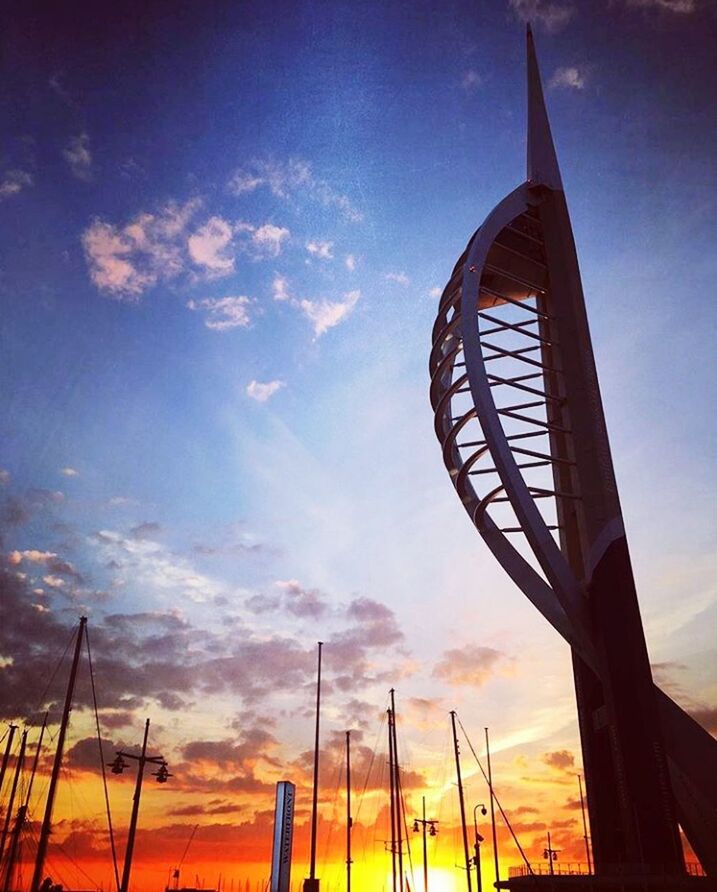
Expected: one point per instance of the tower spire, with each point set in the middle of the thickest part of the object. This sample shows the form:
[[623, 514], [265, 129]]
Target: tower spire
[[542, 162]]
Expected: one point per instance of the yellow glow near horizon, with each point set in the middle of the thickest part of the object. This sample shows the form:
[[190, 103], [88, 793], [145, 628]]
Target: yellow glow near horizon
[[439, 880]]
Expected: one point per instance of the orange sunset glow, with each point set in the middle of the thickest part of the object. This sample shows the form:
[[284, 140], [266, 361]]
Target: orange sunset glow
[[301, 531]]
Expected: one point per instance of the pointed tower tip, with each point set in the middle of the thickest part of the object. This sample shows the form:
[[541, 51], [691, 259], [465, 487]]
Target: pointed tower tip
[[542, 160]]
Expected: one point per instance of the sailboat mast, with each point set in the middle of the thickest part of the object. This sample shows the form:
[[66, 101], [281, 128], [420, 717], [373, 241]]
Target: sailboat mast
[[13, 790], [492, 809], [461, 801], [391, 780], [22, 814], [8, 748], [312, 884], [399, 797], [349, 819], [52, 789]]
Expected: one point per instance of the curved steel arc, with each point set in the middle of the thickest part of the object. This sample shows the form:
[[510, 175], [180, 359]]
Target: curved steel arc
[[560, 599], [567, 588], [534, 587], [520, 228]]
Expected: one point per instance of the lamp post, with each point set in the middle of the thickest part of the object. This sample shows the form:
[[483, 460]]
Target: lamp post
[[476, 846], [424, 824], [551, 855], [162, 774]]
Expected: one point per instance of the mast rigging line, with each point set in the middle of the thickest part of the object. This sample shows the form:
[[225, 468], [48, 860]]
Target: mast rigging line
[[402, 809], [102, 762], [186, 848], [497, 801], [370, 767], [54, 673]]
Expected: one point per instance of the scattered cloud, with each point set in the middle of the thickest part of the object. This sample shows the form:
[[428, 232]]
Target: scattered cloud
[[469, 665], [69, 472], [290, 179], [435, 292], [79, 157], [58, 88], [210, 247], [121, 501], [224, 313], [268, 239], [50, 561], [471, 80], [302, 602], [325, 314], [322, 250], [17, 509], [563, 760], [678, 6], [550, 15], [147, 530], [280, 288], [570, 78], [350, 262], [262, 391], [4, 476], [124, 261], [398, 278], [13, 182]]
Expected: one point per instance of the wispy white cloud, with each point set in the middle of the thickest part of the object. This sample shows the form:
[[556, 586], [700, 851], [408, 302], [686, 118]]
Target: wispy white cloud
[[124, 261], [57, 87], [261, 391], [224, 313], [350, 262], [570, 78], [14, 181], [471, 80], [79, 157], [289, 179], [436, 291], [69, 472], [322, 250], [5, 476], [550, 15], [399, 278], [268, 239], [678, 6], [210, 247], [154, 567], [280, 288], [325, 314]]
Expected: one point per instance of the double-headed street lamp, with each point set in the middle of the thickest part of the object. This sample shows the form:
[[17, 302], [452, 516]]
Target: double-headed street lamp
[[476, 846], [427, 824], [551, 855], [162, 774]]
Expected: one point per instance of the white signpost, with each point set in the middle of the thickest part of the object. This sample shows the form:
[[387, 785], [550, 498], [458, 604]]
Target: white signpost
[[283, 833]]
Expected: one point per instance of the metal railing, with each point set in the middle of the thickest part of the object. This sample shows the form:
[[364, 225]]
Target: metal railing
[[578, 868]]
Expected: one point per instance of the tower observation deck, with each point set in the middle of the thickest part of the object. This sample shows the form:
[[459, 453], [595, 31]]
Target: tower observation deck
[[520, 421]]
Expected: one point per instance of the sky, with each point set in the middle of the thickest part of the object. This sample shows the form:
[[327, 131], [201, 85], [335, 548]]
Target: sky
[[225, 228]]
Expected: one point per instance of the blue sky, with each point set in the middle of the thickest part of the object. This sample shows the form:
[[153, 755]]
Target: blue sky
[[223, 230]]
